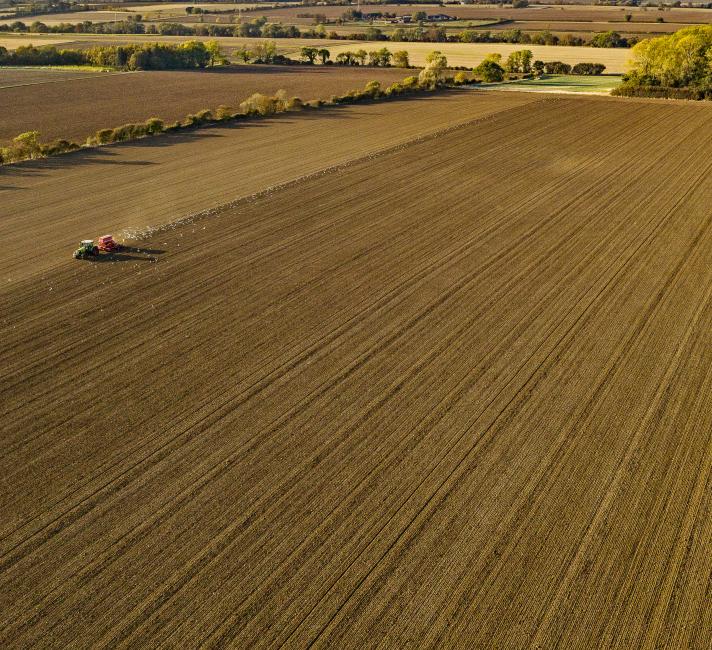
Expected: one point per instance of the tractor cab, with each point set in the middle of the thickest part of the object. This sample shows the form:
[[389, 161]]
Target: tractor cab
[[86, 249]]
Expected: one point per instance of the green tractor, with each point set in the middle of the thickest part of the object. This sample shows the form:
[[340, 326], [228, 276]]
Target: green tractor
[[86, 249]]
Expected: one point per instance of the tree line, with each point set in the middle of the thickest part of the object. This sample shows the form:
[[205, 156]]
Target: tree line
[[28, 146], [678, 65], [260, 28], [493, 69], [139, 56]]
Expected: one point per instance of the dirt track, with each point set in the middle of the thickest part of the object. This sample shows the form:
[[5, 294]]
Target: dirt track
[[75, 109], [454, 394]]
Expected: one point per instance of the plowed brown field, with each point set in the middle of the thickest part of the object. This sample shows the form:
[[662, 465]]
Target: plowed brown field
[[455, 394], [77, 108]]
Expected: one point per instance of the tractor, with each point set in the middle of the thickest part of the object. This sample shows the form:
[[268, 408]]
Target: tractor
[[86, 249]]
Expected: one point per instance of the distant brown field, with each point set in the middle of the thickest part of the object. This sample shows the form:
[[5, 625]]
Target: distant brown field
[[68, 17], [78, 107], [575, 13], [589, 27]]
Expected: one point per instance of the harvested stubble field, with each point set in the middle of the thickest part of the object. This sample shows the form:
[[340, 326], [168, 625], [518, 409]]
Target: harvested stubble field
[[472, 54], [77, 108], [583, 28], [167, 10], [454, 394]]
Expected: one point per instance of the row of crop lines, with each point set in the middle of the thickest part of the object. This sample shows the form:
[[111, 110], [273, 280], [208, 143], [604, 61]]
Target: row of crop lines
[[129, 327], [613, 314], [270, 227]]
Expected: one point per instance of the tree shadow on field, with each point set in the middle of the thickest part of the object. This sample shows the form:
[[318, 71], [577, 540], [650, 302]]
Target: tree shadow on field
[[100, 156], [109, 154], [103, 155]]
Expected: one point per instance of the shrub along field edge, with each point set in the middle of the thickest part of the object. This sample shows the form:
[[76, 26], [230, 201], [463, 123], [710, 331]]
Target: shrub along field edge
[[27, 146]]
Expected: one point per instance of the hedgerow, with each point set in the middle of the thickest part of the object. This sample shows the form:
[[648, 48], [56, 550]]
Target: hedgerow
[[27, 146]]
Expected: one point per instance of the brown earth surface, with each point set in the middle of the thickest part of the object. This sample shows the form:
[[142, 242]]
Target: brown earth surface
[[77, 108], [532, 13], [10, 77], [455, 394], [560, 27], [158, 180]]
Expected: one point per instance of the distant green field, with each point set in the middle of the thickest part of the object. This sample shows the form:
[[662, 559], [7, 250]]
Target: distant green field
[[564, 83]]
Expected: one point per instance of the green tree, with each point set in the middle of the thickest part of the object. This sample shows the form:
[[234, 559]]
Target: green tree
[[519, 61], [400, 59], [215, 54], [345, 58], [309, 54], [681, 59], [490, 71], [244, 53], [29, 144], [265, 52], [380, 57], [435, 65]]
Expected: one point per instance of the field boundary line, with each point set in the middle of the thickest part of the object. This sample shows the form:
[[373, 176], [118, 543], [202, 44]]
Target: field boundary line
[[85, 76]]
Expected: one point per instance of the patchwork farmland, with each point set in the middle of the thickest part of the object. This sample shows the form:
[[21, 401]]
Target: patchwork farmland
[[426, 373]]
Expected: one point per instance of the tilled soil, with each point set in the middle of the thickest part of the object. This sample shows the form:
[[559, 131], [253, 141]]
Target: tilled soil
[[131, 187], [454, 394], [77, 108]]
